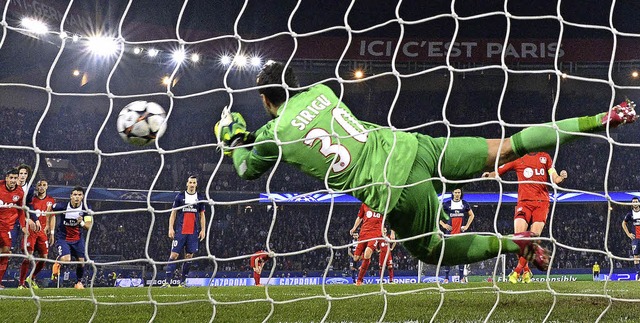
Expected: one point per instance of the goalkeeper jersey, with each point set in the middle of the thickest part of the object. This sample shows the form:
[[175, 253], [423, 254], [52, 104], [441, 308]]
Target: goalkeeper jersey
[[321, 137]]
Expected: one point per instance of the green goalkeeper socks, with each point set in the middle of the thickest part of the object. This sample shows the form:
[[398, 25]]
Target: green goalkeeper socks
[[465, 249], [542, 138]]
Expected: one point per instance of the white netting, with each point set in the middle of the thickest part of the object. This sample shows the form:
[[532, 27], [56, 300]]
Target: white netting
[[59, 102]]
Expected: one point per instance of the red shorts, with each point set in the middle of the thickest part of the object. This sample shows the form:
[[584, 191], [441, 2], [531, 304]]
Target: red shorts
[[532, 211], [373, 244], [5, 238], [38, 241]]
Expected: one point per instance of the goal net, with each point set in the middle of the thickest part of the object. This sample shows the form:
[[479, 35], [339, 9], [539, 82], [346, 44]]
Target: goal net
[[444, 69]]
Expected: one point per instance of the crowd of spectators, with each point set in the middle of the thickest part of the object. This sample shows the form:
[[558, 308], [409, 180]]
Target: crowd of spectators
[[310, 237]]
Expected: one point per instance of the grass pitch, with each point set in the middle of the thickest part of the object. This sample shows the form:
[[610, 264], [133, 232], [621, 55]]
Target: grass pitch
[[473, 302]]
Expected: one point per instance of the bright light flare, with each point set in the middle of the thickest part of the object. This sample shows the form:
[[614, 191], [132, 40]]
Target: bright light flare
[[34, 26], [195, 57], [635, 74], [152, 52], [240, 61], [102, 46], [178, 56], [255, 61], [137, 50], [225, 60], [358, 74]]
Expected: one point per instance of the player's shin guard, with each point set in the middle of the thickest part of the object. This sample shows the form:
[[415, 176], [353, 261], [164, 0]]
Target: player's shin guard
[[363, 268], [39, 265], [256, 278], [543, 138], [522, 263], [171, 268], [186, 266], [79, 273], [24, 269]]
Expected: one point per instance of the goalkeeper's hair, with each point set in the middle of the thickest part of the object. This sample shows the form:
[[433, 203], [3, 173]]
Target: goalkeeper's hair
[[271, 73], [26, 167]]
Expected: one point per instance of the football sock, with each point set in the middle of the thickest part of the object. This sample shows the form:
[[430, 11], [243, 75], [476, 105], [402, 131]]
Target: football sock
[[522, 263], [541, 138], [24, 269], [186, 266], [363, 268], [171, 268], [526, 266], [390, 268], [256, 278], [39, 265], [79, 272], [3, 266], [464, 249]]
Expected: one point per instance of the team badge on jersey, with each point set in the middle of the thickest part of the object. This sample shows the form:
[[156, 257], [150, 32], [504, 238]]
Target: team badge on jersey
[[15, 198], [543, 160]]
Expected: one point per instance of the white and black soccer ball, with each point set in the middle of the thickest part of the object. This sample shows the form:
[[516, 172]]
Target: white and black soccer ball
[[141, 122]]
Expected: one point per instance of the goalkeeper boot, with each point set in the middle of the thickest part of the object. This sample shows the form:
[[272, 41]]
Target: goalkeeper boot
[[531, 250], [526, 277], [514, 277], [620, 114], [32, 283]]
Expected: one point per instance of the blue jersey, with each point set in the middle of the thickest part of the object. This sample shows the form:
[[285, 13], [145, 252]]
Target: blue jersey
[[456, 212], [188, 216], [68, 222], [633, 217]]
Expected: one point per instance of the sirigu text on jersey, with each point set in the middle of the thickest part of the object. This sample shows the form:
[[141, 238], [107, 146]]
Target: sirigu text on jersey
[[305, 116]]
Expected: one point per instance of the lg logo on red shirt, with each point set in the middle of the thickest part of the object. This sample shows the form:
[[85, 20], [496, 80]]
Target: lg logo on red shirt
[[372, 214], [529, 172]]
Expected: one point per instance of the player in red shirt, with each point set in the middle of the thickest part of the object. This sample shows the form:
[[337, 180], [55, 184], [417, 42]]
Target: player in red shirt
[[38, 240], [257, 262], [384, 254], [533, 199], [11, 195], [371, 229]]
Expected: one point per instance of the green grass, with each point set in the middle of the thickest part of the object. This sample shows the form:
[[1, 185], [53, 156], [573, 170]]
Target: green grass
[[462, 303]]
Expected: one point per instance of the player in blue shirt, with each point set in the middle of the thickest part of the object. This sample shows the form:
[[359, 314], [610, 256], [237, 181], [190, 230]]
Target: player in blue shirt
[[68, 230], [633, 217], [186, 228], [456, 208]]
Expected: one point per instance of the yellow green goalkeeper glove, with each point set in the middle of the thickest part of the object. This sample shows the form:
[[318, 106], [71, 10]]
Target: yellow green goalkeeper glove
[[231, 130]]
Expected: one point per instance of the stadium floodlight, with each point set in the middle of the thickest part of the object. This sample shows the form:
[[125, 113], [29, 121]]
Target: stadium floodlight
[[240, 61], [358, 74], [225, 60], [102, 46], [34, 26], [137, 50], [152, 52], [635, 74], [178, 56], [255, 61], [166, 80], [195, 57], [76, 73], [75, 38]]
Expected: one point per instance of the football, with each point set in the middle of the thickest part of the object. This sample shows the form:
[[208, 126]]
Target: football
[[141, 123]]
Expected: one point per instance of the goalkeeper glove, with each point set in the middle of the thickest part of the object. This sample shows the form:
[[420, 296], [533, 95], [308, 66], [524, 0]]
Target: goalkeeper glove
[[231, 130]]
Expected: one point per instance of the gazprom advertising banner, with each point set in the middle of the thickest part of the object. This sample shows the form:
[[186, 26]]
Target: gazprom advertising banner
[[289, 281]]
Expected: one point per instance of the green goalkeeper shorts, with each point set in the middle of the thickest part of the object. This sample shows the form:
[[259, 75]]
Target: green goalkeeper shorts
[[419, 210]]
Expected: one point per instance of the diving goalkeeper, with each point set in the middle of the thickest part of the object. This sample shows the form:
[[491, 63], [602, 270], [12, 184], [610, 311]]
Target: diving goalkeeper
[[389, 170]]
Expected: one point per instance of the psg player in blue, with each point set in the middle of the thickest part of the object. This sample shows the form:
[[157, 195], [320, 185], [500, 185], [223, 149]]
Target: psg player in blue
[[456, 208], [68, 230], [186, 228], [633, 217]]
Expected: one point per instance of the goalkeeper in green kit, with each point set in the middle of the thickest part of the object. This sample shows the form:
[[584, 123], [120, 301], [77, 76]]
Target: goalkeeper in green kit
[[392, 171]]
